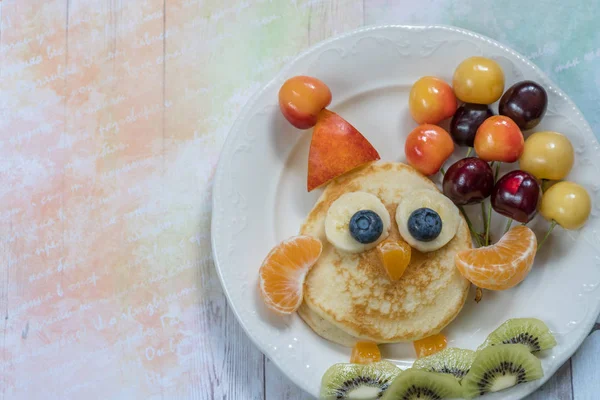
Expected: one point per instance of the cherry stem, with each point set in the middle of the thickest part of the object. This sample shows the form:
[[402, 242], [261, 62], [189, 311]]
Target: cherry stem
[[478, 294], [489, 222], [443, 171], [485, 223], [508, 224], [496, 173], [547, 235], [544, 185], [470, 225], [487, 218], [469, 152]]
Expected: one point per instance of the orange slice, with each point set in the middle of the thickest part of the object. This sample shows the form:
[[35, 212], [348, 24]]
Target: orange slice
[[282, 273], [502, 265], [430, 345], [395, 257], [365, 353]]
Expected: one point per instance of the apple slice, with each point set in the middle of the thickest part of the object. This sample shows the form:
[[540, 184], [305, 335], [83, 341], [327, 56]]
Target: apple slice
[[336, 148]]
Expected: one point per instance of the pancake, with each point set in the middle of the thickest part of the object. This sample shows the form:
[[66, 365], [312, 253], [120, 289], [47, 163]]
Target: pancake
[[324, 328], [349, 296]]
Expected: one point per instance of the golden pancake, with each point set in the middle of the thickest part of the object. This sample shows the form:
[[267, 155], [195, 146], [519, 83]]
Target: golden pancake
[[349, 296]]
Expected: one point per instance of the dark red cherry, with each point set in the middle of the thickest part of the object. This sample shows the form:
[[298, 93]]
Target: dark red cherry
[[517, 195], [525, 103], [468, 181], [465, 122]]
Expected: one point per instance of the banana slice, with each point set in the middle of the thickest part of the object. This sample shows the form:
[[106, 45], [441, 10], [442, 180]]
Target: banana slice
[[337, 221], [446, 209]]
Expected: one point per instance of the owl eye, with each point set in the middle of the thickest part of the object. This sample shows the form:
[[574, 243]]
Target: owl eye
[[425, 224], [357, 221], [366, 226], [427, 220]]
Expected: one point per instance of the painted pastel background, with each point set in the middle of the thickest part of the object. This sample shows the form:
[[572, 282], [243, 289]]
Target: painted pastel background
[[112, 115]]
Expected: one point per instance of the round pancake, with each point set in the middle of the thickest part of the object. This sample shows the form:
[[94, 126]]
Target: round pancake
[[350, 295], [324, 328]]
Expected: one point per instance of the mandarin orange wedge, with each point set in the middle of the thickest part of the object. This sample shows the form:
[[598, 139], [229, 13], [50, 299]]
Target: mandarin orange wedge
[[501, 265], [365, 353], [282, 273], [430, 345], [395, 257]]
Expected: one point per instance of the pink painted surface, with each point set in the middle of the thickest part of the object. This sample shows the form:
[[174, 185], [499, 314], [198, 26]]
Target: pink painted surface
[[103, 171]]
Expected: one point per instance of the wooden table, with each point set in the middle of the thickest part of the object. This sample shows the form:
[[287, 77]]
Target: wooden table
[[113, 115]]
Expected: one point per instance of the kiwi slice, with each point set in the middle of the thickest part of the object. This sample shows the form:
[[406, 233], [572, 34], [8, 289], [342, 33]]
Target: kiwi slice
[[415, 384], [451, 361], [358, 381], [499, 367], [528, 331]]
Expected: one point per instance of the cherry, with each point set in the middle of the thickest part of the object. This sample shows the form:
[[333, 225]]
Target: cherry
[[517, 195], [468, 181]]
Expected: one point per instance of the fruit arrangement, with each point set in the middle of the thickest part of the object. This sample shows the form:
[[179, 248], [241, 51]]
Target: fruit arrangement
[[505, 359], [358, 222], [336, 146], [493, 139]]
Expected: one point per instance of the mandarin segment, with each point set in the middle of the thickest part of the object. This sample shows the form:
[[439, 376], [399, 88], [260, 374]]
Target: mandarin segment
[[283, 271], [502, 265], [301, 98], [365, 353], [430, 345], [395, 257]]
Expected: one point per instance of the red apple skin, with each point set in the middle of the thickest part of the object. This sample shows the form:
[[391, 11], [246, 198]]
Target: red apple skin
[[336, 148]]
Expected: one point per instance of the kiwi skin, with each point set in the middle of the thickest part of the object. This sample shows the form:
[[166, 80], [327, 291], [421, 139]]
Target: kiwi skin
[[414, 383], [531, 332], [452, 361], [499, 367], [340, 379]]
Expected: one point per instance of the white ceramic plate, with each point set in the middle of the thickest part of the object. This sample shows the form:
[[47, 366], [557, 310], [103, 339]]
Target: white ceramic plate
[[260, 196]]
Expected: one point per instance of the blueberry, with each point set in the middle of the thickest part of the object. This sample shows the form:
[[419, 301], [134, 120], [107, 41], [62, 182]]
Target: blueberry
[[366, 226], [424, 224]]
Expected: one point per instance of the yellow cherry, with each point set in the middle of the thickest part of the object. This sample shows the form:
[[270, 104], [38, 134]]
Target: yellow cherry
[[568, 204], [547, 155], [478, 80]]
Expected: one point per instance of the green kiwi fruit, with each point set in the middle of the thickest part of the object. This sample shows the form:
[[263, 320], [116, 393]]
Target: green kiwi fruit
[[528, 331], [415, 384], [358, 381], [499, 367], [451, 361]]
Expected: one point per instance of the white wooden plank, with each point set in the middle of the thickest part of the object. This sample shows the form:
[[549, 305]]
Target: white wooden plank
[[404, 12], [23, 64], [279, 387], [558, 386], [330, 18], [225, 363], [586, 369]]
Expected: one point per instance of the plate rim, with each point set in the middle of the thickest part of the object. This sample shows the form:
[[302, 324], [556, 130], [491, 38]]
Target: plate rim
[[218, 177]]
